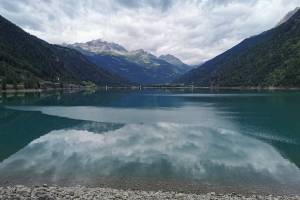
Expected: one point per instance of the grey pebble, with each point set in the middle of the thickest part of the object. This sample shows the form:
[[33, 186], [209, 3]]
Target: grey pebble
[[46, 192]]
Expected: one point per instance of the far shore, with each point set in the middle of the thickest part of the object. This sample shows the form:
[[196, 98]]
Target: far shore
[[152, 88], [222, 88], [40, 90]]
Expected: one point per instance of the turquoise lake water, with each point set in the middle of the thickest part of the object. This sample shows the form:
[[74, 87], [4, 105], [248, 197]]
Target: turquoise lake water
[[224, 138]]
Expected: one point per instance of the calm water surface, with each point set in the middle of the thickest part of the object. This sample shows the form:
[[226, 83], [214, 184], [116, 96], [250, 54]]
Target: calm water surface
[[229, 138]]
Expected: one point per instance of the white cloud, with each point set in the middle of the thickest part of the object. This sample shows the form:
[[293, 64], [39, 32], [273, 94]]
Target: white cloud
[[193, 30]]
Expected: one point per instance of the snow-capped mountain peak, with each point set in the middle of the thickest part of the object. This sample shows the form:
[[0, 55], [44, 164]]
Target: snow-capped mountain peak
[[100, 46]]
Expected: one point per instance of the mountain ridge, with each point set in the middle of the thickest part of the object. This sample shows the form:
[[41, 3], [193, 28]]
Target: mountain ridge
[[24, 58], [100, 46], [288, 16], [268, 59], [175, 61], [138, 66]]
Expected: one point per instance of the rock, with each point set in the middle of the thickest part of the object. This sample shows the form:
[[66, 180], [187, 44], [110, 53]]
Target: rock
[[52, 193]]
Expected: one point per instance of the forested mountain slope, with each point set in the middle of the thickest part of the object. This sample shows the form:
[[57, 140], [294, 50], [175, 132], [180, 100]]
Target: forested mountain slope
[[26, 59], [269, 59]]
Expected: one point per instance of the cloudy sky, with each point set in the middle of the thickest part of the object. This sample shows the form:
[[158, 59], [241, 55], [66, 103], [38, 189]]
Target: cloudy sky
[[193, 30]]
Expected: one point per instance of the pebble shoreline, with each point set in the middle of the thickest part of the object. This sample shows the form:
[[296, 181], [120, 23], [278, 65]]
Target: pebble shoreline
[[46, 192]]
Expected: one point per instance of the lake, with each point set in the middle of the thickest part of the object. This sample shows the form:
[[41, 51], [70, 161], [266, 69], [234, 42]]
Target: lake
[[203, 138]]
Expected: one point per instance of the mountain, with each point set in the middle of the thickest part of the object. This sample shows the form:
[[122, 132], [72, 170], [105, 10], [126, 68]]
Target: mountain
[[150, 61], [27, 59], [99, 46], [289, 15], [138, 66], [271, 58], [120, 65], [176, 62]]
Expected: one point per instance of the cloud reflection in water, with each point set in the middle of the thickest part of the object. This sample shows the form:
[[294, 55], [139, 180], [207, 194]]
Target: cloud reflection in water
[[165, 150]]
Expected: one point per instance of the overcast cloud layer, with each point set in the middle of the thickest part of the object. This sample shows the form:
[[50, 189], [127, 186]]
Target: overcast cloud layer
[[193, 30]]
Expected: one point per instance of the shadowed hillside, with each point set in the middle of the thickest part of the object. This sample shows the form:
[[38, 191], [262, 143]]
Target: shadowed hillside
[[29, 60], [269, 59]]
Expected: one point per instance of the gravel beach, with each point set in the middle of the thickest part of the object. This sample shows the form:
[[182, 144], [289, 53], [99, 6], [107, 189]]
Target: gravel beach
[[46, 192]]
